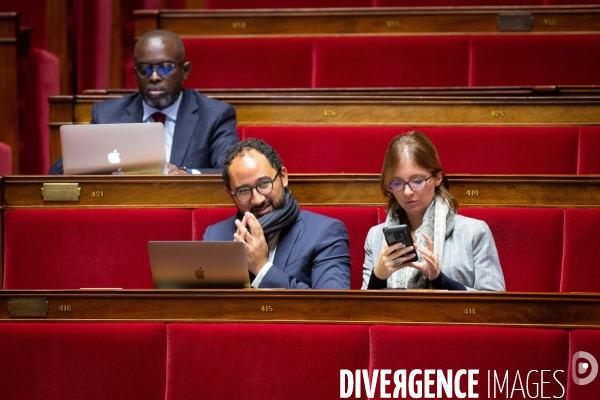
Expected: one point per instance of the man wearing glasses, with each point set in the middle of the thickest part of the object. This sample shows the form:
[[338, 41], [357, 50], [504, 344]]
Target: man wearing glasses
[[198, 130], [285, 247]]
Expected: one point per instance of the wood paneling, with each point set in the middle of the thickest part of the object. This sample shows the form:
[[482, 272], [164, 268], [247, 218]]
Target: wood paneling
[[59, 43], [198, 191], [397, 307], [9, 84]]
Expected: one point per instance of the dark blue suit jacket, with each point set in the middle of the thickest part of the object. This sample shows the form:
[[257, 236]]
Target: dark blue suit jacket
[[312, 253], [204, 132]]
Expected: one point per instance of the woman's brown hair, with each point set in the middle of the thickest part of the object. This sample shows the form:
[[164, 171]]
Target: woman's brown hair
[[415, 146]]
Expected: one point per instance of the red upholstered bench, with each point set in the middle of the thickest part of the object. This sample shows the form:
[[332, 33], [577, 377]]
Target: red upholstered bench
[[391, 61], [514, 60], [395, 61], [358, 221], [5, 159], [320, 149], [529, 244], [580, 272], [42, 70], [203, 217], [506, 150], [250, 62], [472, 150], [500, 350], [241, 4], [587, 341], [82, 361], [262, 361], [72, 249]]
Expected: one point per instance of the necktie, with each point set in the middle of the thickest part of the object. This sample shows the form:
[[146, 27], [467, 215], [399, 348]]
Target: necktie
[[159, 117]]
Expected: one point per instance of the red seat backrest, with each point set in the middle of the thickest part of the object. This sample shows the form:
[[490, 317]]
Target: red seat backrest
[[43, 72], [506, 150], [589, 145], [391, 61], [72, 249], [242, 4], [529, 244], [320, 149], [203, 217], [249, 62], [580, 271], [471, 150], [528, 60], [83, 360], [498, 350], [254, 361]]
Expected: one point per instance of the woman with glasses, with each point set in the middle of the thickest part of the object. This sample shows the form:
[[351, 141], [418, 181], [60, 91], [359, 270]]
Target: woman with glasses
[[454, 252]]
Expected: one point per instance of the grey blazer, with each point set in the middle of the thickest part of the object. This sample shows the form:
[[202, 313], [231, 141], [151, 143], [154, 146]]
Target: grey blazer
[[204, 132], [470, 256]]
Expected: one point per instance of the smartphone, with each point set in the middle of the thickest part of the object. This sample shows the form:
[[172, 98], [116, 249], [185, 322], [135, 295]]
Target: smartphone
[[400, 233]]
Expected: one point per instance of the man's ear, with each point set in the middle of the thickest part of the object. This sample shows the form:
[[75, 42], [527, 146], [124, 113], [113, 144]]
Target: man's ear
[[284, 176], [187, 68]]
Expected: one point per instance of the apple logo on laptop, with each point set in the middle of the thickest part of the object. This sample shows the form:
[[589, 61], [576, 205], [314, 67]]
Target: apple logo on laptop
[[199, 273], [113, 157]]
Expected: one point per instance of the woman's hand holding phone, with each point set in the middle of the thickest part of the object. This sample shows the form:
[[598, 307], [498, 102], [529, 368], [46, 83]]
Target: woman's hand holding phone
[[395, 255], [392, 258]]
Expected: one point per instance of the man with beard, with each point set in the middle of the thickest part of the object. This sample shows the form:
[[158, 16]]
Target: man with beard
[[285, 247], [198, 130]]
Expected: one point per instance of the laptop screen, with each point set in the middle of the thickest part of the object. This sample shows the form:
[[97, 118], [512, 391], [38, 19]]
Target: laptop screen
[[195, 264], [113, 148]]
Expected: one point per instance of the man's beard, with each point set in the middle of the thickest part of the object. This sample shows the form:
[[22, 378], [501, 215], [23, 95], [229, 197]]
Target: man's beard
[[161, 102]]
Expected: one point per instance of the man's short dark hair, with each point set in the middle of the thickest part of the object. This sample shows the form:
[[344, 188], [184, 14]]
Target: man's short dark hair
[[241, 148]]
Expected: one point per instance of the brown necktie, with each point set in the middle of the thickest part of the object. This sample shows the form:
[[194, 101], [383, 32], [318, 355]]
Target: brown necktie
[[159, 117]]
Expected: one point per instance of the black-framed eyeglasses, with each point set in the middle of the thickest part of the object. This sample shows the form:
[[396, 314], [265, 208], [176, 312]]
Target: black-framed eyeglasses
[[245, 194], [414, 184], [163, 69]]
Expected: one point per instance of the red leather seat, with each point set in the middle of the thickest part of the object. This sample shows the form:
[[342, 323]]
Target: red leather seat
[[99, 248], [83, 360], [255, 361]]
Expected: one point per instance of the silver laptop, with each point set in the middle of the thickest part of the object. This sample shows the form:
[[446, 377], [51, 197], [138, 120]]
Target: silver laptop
[[113, 148], [195, 264]]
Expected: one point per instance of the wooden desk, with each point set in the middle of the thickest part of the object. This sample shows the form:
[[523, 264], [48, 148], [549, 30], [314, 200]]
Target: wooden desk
[[395, 307], [475, 91], [374, 110], [198, 191], [372, 21]]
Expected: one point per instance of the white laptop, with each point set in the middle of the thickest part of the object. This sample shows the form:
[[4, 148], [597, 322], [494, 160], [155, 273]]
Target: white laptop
[[196, 264], [113, 149]]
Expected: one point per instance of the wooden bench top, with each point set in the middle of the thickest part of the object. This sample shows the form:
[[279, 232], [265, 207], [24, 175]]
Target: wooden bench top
[[371, 21], [195, 191], [394, 307]]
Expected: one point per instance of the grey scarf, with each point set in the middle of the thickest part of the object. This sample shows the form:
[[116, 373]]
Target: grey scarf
[[281, 218], [438, 223]]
